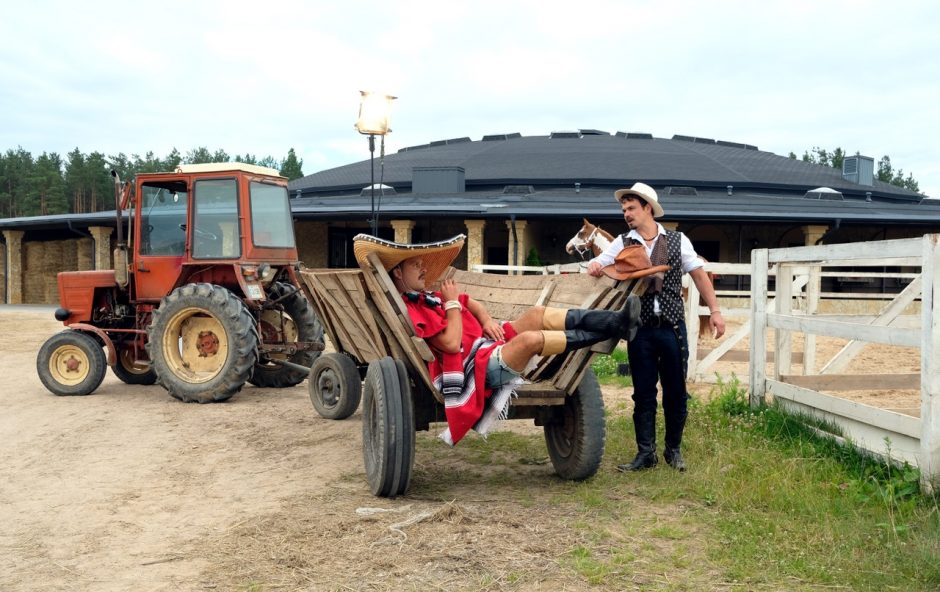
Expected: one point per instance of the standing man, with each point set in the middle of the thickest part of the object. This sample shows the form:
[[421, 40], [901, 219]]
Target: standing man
[[660, 350]]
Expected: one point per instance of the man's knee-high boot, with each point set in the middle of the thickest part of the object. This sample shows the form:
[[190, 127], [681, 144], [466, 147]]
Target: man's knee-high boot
[[559, 342], [644, 422], [622, 323]]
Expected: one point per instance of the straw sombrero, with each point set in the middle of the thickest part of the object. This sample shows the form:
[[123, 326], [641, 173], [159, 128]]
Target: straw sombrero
[[437, 256]]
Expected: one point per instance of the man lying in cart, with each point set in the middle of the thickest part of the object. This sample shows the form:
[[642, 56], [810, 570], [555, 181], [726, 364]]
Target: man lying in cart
[[477, 359]]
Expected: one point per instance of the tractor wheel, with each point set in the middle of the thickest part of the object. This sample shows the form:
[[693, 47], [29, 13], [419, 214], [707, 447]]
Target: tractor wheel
[[202, 343], [300, 323], [388, 428], [576, 438], [71, 363], [335, 386], [131, 371]]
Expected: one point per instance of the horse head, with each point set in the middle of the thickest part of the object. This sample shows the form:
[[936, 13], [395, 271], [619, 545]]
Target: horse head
[[590, 238]]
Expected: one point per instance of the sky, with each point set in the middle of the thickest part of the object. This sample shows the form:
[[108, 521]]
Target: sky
[[263, 77]]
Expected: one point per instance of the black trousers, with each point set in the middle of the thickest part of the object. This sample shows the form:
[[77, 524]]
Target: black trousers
[[660, 354]]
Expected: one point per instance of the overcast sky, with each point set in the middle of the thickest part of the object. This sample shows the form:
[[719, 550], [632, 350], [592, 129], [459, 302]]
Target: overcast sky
[[262, 77]]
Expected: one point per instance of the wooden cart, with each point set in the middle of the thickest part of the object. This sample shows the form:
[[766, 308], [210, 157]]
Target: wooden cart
[[368, 324]]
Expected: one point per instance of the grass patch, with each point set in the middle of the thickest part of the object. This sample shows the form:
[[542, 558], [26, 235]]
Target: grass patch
[[606, 367], [766, 504]]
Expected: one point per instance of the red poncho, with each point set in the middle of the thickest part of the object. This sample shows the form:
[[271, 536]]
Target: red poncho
[[461, 377]]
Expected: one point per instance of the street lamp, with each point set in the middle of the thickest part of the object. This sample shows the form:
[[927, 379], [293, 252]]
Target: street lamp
[[374, 111]]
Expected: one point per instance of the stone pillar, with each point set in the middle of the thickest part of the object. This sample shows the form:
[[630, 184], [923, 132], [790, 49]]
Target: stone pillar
[[14, 268], [313, 243], [403, 230], [102, 236], [812, 233], [84, 254], [670, 225], [521, 240], [475, 247], [3, 273]]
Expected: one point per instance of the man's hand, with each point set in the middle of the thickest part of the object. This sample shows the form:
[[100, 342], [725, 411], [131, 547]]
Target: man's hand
[[493, 330], [717, 324], [594, 268], [449, 290]]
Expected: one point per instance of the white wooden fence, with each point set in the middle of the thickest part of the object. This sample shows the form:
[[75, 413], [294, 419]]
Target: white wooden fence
[[878, 431]]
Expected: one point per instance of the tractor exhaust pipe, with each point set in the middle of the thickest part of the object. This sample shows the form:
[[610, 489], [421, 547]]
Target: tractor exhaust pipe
[[120, 250]]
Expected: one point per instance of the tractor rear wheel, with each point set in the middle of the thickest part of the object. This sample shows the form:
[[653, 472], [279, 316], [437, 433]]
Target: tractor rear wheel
[[71, 363], [130, 370], [202, 343], [294, 320], [576, 438]]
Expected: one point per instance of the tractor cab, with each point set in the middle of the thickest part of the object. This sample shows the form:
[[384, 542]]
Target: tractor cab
[[219, 219]]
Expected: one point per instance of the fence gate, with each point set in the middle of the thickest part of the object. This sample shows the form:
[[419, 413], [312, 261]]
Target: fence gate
[[878, 431]]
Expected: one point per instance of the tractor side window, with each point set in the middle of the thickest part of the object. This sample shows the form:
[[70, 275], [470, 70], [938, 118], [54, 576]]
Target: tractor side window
[[271, 222], [163, 219], [215, 220]]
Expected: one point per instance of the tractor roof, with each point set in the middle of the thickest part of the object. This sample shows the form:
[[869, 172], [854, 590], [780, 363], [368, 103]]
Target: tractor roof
[[218, 167]]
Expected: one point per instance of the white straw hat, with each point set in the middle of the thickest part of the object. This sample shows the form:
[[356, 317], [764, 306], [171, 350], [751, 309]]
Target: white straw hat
[[644, 192]]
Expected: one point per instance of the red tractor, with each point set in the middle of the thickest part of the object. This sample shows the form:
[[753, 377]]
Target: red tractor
[[205, 297]]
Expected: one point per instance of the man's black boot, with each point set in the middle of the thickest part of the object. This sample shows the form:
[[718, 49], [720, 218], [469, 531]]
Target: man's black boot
[[674, 459], [577, 339], [645, 425], [622, 323]]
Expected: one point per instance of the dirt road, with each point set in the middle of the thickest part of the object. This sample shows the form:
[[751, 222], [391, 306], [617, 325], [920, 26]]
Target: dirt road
[[129, 489]]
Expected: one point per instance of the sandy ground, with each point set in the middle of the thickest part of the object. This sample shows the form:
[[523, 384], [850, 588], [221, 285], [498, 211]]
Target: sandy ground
[[129, 489]]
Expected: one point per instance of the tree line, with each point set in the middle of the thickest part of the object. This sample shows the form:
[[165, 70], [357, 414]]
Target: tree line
[[885, 172], [82, 183]]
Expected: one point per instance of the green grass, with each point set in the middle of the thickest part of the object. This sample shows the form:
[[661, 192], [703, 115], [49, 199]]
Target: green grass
[[605, 367], [766, 504]]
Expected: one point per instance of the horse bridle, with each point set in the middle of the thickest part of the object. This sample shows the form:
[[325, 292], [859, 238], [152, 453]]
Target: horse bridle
[[586, 245]]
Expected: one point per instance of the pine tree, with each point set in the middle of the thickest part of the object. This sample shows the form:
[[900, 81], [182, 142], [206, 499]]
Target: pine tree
[[291, 167]]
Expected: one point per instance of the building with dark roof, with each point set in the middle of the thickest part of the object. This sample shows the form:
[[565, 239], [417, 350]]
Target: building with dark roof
[[728, 197], [522, 198]]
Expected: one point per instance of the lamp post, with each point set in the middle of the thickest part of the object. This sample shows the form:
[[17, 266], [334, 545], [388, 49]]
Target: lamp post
[[373, 121]]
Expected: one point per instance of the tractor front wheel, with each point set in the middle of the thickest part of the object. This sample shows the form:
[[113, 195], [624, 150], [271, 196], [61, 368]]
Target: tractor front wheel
[[71, 363], [202, 343]]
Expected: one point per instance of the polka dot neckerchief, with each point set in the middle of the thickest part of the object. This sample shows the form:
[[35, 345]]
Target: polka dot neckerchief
[[668, 252]]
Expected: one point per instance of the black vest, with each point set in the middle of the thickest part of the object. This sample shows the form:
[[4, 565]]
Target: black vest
[[668, 252]]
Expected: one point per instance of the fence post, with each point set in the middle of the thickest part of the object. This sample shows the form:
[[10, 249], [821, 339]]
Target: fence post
[[758, 357], [930, 365], [692, 324], [813, 289], [783, 346]]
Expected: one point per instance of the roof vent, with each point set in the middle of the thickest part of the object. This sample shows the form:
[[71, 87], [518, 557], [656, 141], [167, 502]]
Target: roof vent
[[681, 190], [440, 179], [593, 132], [824, 193], [730, 144], [379, 189], [451, 141], [859, 169], [559, 135], [495, 137], [703, 140], [683, 138], [519, 189], [418, 147]]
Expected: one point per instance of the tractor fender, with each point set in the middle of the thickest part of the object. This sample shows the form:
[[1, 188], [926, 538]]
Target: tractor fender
[[112, 352]]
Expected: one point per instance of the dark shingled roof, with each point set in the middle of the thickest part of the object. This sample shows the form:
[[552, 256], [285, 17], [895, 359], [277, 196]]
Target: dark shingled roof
[[600, 159]]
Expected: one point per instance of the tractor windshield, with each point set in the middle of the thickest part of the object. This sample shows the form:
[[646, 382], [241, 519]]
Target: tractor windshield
[[271, 223]]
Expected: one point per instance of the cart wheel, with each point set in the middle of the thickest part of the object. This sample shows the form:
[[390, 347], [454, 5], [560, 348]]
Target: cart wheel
[[388, 428], [576, 438], [71, 363], [334, 385]]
